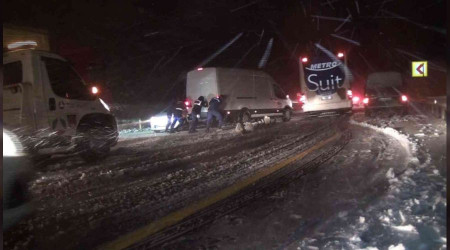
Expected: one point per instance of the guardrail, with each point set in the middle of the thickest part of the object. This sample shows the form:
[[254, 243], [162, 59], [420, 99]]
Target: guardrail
[[436, 106], [132, 124]]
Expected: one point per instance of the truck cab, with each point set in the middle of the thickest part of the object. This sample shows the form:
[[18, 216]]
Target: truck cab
[[51, 108]]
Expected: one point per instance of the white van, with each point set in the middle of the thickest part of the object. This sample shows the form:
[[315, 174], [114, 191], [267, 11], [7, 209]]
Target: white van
[[247, 94], [50, 107]]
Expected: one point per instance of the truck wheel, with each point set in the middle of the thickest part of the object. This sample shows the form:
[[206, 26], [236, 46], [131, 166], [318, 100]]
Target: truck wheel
[[94, 144], [287, 114]]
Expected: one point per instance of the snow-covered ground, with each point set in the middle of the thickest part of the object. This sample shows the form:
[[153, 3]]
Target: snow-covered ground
[[146, 176], [385, 189]]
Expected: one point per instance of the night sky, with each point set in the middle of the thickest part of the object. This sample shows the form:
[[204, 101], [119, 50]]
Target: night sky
[[140, 51]]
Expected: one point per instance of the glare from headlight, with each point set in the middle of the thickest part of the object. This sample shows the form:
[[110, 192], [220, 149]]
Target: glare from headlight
[[104, 104], [159, 120], [11, 146]]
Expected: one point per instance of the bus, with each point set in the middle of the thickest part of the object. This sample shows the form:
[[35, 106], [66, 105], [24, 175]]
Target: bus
[[325, 83]]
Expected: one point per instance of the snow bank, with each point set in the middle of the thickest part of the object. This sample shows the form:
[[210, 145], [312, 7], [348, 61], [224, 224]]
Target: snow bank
[[406, 228], [397, 247], [410, 147]]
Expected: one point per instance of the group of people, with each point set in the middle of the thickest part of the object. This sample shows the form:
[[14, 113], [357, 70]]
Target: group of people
[[179, 113]]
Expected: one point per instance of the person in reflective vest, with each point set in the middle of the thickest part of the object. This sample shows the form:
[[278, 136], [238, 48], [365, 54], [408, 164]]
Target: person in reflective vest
[[214, 111], [195, 114], [177, 115]]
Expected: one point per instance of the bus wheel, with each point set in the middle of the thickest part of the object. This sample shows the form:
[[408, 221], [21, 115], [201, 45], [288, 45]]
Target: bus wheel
[[287, 114]]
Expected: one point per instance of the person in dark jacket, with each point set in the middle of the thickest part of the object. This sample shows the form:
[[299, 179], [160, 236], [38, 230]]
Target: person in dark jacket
[[195, 114], [170, 111], [214, 111], [177, 115]]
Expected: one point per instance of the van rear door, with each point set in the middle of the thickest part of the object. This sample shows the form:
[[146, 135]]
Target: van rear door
[[202, 83]]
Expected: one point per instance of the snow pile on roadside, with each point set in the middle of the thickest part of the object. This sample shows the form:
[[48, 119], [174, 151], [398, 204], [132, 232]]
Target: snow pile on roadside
[[410, 147], [413, 212]]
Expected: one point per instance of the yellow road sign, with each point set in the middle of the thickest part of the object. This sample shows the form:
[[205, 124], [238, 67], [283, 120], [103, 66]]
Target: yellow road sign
[[420, 69]]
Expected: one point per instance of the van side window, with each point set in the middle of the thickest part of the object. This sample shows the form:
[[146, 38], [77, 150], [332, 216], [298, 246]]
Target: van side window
[[65, 81], [279, 93], [12, 73]]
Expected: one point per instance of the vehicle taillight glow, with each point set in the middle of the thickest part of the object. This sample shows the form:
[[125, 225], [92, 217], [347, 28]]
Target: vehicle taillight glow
[[187, 103], [349, 93], [366, 100], [304, 59], [355, 99], [404, 98], [340, 55], [200, 69], [302, 99], [94, 90]]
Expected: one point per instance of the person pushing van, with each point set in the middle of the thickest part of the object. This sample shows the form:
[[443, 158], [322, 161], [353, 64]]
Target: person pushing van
[[214, 111], [176, 109], [177, 116], [195, 114], [169, 111]]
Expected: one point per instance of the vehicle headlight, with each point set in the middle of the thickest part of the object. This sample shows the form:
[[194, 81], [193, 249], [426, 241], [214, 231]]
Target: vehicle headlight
[[159, 120], [11, 145], [104, 104]]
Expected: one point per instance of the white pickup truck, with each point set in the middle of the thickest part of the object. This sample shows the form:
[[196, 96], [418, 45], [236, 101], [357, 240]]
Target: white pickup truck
[[51, 108]]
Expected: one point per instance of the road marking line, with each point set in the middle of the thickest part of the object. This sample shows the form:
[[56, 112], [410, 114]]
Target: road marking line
[[177, 216]]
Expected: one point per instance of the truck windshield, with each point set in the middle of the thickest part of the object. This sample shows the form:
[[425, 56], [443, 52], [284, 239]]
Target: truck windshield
[[65, 81]]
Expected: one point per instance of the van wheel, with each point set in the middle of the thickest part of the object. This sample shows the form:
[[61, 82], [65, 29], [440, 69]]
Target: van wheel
[[94, 144], [287, 113]]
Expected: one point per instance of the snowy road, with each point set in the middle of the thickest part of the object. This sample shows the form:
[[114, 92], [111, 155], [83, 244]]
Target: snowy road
[[148, 176], [385, 190]]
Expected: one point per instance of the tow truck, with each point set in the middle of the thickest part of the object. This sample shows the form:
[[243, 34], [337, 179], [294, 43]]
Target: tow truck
[[48, 105]]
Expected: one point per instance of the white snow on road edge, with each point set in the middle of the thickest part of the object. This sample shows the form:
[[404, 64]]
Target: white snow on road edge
[[410, 147]]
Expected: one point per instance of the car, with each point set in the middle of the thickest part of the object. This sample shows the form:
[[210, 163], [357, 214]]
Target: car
[[358, 104], [385, 91], [159, 122], [17, 173]]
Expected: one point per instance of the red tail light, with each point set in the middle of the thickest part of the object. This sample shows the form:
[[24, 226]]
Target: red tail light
[[304, 59], [366, 100], [302, 99], [340, 54], [404, 98], [187, 103], [355, 99]]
